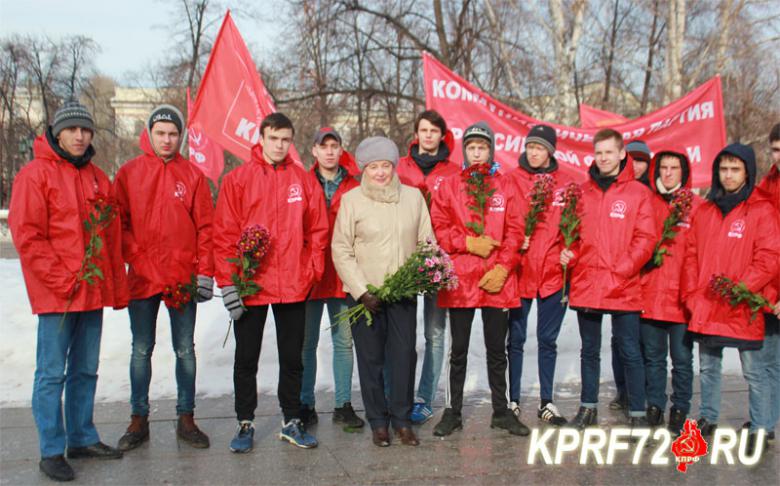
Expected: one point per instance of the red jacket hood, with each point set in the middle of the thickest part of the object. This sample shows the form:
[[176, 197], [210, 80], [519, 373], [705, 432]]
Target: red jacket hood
[[654, 168], [448, 139], [347, 160]]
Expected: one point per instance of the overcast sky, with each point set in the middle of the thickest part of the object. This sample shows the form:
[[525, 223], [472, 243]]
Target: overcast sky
[[132, 34]]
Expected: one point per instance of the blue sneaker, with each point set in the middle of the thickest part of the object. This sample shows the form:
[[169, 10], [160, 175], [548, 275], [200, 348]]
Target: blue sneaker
[[244, 438], [294, 433], [421, 413]]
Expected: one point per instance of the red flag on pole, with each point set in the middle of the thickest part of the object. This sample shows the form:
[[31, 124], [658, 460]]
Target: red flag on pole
[[204, 153], [591, 117], [232, 99]]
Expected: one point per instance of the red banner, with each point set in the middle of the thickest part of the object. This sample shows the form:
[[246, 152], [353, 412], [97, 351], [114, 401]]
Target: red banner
[[694, 124], [232, 99], [591, 117], [205, 154]]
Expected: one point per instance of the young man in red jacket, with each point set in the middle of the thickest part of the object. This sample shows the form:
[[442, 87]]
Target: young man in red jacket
[[771, 350], [273, 191], [166, 209], [425, 167], [335, 171], [735, 233], [541, 276], [664, 322], [485, 263], [53, 195], [617, 236]]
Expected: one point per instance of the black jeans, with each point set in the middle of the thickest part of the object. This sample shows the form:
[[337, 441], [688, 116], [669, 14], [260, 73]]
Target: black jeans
[[391, 339], [248, 331], [496, 324]]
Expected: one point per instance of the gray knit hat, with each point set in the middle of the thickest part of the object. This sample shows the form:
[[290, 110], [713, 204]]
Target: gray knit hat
[[376, 148], [543, 135], [72, 114]]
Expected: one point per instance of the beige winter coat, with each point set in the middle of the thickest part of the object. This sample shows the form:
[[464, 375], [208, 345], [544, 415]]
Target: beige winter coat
[[376, 230]]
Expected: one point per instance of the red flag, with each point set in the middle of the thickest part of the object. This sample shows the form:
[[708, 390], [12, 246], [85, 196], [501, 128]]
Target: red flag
[[695, 122], [232, 99], [205, 154], [591, 117]]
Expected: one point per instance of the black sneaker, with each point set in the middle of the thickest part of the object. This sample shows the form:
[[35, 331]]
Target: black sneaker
[[585, 418], [639, 423], [550, 414], [308, 416], [676, 421], [347, 417], [57, 468], [655, 416], [505, 419], [449, 423], [620, 402], [96, 451], [705, 427]]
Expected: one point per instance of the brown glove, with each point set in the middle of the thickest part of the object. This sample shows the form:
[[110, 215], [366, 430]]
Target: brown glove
[[481, 245], [371, 302], [494, 279]]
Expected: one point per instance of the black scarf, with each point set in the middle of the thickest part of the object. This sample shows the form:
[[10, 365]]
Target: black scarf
[[523, 162], [605, 181], [78, 162], [427, 162], [726, 202]]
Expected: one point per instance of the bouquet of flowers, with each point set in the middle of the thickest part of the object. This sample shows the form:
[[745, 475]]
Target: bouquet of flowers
[[570, 224], [102, 213], [252, 246], [738, 293], [478, 188], [428, 270], [178, 295], [538, 199], [680, 208]]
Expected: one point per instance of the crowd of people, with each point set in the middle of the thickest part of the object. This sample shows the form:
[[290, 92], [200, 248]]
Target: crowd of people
[[670, 268]]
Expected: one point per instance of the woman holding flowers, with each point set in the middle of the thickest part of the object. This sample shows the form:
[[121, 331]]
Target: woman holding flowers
[[663, 324], [378, 227], [479, 222]]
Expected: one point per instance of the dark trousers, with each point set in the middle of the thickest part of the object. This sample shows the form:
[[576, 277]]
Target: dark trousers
[[387, 344], [496, 322], [248, 331], [659, 340]]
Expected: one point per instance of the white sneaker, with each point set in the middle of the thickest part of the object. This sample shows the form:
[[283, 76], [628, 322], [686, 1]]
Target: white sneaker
[[515, 408], [550, 414]]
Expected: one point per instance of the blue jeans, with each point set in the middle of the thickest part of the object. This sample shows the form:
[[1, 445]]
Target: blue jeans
[[549, 316], [66, 358], [625, 327], [143, 324], [660, 339], [435, 319], [771, 354], [710, 364], [342, 351], [617, 365]]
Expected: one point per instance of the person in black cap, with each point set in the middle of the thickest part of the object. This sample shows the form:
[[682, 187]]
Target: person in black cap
[[640, 156]]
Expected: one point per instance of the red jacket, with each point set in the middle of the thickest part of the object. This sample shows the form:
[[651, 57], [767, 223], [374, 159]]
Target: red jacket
[[770, 184], [166, 221], [330, 285], [411, 174], [49, 204], [743, 245], [503, 223], [290, 203], [661, 285], [617, 237], [541, 274]]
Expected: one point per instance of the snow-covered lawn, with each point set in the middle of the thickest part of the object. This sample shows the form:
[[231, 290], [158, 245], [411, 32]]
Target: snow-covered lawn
[[215, 364]]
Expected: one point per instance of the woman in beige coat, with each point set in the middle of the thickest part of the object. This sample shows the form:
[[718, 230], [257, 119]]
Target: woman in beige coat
[[377, 228]]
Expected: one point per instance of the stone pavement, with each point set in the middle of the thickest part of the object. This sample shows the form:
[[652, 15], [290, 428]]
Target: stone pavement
[[476, 454]]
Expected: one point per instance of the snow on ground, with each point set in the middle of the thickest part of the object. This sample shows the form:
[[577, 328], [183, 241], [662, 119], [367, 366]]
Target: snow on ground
[[18, 329]]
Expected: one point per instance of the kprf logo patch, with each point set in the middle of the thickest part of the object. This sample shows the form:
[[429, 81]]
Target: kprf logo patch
[[294, 193], [558, 197], [497, 203], [737, 229], [689, 447], [180, 191], [618, 210]]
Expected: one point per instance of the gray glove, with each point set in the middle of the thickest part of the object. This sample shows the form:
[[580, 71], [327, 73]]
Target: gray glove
[[205, 288], [232, 302]]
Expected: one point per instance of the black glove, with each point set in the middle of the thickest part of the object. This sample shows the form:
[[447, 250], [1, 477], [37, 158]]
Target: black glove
[[371, 302]]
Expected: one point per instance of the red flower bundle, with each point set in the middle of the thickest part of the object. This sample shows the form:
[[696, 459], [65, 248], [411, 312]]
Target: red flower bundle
[[253, 244], [477, 179], [538, 199], [738, 293], [570, 224], [680, 207], [178, 295]]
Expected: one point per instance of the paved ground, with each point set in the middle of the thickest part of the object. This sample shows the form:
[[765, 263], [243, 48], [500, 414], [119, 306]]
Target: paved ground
[[475, 455]]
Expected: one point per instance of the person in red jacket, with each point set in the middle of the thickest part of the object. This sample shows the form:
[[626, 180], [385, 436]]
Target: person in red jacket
[[664, 323], [771, 350], [617, 237], [484, 247], [273, 191], [167, 213], [735, 233], [425, 167], [335, 171], [52, 197], [541, 276]]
